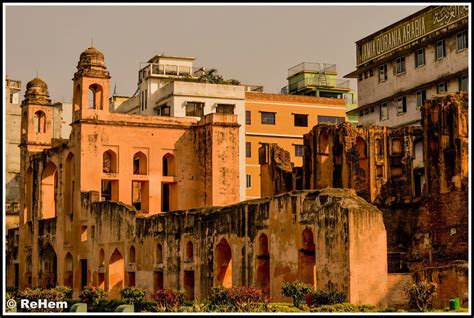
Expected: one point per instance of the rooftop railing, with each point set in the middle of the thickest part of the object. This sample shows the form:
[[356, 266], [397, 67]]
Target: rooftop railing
[[316, 67], [320, 82], [166, 70], [14, 84]]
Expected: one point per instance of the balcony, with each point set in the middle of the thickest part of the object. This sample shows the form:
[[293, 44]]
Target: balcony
[[166, 70], [311, 67], [317, 82]]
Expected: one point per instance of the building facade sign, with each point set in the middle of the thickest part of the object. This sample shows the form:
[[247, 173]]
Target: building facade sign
[[408, 31]]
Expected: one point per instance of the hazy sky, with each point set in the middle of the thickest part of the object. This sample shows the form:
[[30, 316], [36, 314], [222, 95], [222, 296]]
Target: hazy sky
[[254, 44]]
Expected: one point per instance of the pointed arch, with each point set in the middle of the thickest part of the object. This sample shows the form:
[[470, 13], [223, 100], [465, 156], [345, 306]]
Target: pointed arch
[[68, 270], [263, 264], [39, 122], [49, 186], [109, 162], [116, 274], [307, 258], [169, 165], [140, 163], [48, 267], [95, 97], [223, 264]]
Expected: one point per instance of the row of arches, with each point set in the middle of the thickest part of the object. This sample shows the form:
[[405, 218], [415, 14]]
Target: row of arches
[[140, 163]]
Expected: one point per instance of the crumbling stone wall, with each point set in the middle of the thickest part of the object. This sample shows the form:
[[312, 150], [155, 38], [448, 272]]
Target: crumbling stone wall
[[348, 236], [278, 176]]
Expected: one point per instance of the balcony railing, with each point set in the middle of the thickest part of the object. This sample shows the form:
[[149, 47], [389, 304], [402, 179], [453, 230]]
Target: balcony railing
[[318, 81], [316, 67], [167, 70]]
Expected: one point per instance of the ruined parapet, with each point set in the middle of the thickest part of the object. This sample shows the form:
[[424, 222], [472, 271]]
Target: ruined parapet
[[446, 142], [328, 238], [276, 170]]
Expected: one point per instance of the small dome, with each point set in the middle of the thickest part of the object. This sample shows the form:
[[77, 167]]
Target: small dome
[[92, 52], [37, 92], [91, 63], [36, 82]]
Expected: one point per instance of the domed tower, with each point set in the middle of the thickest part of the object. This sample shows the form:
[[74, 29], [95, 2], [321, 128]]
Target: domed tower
[[36, 119], [91, 85]]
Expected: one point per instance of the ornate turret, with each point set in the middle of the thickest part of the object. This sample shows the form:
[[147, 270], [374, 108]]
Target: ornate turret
[[37, 93], [91, 63]]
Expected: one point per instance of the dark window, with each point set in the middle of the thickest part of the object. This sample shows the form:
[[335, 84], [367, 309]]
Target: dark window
[[371, 72], [361, 77], [440, 52], [382, 73], [366, 111], [146, 95], [361, 113], [442, 87], [248, 149], [372, 109], [420, 98], [301, 120], [249, 180], [402, 105], [383, 111], [268, 118], [248, 117], [225, 108], [461, 40], [11, 98], [163, 110], [400, 65], [195, 109], [463, 84], [330, 119], [420, 57], [299, 150]]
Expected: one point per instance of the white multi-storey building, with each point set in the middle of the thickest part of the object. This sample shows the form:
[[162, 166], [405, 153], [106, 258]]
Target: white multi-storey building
[[400, 66]]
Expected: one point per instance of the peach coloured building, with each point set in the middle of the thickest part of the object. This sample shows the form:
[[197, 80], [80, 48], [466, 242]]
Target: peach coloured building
[[142, 161], [283, 119]]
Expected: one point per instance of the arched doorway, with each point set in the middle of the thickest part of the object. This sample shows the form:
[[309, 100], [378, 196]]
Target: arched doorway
[[263, 265], [68, 270], [48, 267], [116, 274], [49, 187], [307, 258], [223, 272]]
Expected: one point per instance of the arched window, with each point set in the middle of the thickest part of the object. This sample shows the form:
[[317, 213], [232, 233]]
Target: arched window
[[39, 122], [361, 147], [307, 258], [169, 168], [189, 251], [131, 255], [139, 163], [116, 274], [101, 257], [109, 162], [159, 254], [68, 270], [77, 98], [324, 142], [378, 147], [223, 264], [49, 186], [95, 96]]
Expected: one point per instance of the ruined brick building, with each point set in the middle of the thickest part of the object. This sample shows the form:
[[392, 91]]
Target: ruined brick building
[[417, 176], [95, 208]]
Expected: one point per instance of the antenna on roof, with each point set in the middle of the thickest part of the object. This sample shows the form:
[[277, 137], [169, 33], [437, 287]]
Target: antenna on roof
[[115, 89]]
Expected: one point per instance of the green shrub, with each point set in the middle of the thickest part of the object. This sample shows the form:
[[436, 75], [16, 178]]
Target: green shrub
[[420, 295], [344, 307], [240, 299], [37, 293], [327, 297], [297, 291], [132, 295], [92, 295], [283, 308], [169, 300], [67, 291]]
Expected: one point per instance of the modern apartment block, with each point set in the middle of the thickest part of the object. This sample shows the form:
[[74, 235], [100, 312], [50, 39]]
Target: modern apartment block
[[402, 65], [320, 80], [282, 119]]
